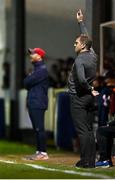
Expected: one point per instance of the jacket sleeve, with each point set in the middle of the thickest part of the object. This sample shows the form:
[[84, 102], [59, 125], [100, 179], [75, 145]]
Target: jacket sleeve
[[83, 30], [81, 77], [35, 78]]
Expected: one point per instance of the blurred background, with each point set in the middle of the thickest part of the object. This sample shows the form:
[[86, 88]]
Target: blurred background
[[51, 25]]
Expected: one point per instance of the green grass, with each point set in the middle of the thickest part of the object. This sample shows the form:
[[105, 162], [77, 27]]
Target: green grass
[[20, 170], [25, 172], [9, 147]]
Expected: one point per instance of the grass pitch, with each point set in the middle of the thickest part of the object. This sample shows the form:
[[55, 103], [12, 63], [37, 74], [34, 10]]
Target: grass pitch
[[59, 166]]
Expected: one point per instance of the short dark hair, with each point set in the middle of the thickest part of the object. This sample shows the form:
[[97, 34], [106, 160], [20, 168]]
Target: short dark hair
[[85, 39]]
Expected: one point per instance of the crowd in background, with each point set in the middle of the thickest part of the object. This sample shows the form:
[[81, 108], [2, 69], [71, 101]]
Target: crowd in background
[[59, 72], [104, 83]]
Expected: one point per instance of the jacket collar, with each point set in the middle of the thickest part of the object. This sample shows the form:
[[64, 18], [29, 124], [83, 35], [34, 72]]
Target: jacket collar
[[39, 63]]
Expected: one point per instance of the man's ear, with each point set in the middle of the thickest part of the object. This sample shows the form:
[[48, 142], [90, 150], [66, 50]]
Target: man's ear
[[83, 46]]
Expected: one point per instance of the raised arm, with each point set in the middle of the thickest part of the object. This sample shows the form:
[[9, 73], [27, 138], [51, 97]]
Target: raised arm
[[83, 29], [82, 26]]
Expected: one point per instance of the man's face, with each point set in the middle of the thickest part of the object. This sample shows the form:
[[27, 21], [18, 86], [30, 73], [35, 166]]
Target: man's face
[[78, 45], [34, 57]]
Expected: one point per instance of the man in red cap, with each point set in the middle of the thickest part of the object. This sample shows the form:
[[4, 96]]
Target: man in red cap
[[38, 51], [36, 84]]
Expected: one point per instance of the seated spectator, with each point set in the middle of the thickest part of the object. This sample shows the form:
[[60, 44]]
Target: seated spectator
[[53, 77], [108, 66], [105, 135], [62, 73], [103, 100]]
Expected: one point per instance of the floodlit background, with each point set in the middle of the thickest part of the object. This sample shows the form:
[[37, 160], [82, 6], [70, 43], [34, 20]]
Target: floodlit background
[[52, 25]]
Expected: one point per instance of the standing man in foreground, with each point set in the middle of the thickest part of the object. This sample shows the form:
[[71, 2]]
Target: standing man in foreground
[[82, 95], [36, 84]]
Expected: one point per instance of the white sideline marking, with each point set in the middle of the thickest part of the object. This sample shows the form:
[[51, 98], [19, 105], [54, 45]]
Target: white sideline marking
[[8, 162], [58, 170]]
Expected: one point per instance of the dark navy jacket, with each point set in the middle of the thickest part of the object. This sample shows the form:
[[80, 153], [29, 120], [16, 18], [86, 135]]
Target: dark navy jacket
[[37, 85]]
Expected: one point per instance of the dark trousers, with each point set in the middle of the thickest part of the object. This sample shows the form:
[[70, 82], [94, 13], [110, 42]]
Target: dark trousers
[[105, 137], [82, 109], [37, 119]]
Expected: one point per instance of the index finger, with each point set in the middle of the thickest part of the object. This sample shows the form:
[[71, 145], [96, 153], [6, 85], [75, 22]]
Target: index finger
[[80, 11]]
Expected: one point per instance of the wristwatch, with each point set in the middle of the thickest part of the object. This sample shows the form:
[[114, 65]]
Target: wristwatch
[[92, 88]]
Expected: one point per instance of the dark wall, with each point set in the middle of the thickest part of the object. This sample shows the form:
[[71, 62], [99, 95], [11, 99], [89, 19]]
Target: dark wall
[[102, 12]]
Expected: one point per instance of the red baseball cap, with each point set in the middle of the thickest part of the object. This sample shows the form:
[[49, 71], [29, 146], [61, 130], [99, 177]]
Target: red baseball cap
[[39, 51]]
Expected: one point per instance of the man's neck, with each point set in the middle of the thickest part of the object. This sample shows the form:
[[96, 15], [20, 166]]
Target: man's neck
[[84, 50]]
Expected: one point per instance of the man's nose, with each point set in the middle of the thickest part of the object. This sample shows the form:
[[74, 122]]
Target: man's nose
[[74, 45]]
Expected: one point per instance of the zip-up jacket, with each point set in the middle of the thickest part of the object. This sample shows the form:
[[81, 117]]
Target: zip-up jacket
[[37, 85]]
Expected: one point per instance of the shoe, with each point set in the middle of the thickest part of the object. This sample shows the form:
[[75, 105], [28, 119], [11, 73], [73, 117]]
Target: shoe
[[40, 156], [30, 157], [37, 156], [81, 164], [103, 164]]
